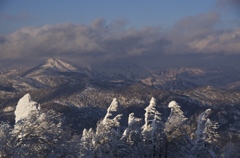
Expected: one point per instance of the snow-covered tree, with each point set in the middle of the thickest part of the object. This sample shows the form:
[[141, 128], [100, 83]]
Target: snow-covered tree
[[37, 134], [25, 107], [112, 108], [133, 126], [209, 133], [152, 129], [206, 136], [201, 125], [105, 140], [176, 118], [177, 143], [41, 136], [132, 138], [86, 146]]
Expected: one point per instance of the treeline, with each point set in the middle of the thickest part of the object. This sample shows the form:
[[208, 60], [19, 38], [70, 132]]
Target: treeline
[[45, 135]]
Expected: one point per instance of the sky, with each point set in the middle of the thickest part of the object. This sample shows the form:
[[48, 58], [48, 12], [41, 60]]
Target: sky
[[154, 33]]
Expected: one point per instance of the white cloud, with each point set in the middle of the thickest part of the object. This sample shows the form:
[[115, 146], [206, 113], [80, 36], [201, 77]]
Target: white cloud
[[191, 35]]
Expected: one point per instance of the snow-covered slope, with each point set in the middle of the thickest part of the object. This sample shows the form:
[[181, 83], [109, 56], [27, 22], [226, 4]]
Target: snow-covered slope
[[185, 78], [52, 66], [179, 84], [58, 65], [54, 72], [212, 96], [182, 72], [25, 107]]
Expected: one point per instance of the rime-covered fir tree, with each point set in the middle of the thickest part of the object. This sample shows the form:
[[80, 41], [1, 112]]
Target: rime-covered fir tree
[[178, 143], [104, 141], [37, 134], [86, 144], [131, 137], [152, 130], [175, 120], [206, 136]]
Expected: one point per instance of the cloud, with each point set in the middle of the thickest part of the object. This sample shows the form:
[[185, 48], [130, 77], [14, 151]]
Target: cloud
[[102, 40], [69, 39], [51, 40], [199, 34], [226, 42], [189, 29]]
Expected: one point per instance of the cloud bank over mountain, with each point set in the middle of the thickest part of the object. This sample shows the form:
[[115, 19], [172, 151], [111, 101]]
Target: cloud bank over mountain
[[198, 35]]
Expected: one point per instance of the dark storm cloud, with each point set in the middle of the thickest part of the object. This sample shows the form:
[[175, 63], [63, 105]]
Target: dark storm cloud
[[102, 40]]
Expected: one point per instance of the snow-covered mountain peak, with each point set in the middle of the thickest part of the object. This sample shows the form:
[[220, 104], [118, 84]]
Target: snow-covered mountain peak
[[59, 65], [24, 107], [52, 65]]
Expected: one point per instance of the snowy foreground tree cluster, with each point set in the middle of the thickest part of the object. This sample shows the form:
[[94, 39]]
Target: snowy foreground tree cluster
[[38, 134]]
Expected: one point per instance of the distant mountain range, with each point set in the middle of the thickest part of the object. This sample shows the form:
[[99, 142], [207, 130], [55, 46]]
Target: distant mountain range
[[54, 72], [62, 78]]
